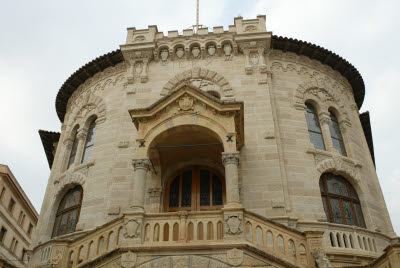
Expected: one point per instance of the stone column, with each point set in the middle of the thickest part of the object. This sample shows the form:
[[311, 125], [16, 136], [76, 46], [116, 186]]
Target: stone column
[[81, 136], [141, 167], [231, 162], [324, 120]]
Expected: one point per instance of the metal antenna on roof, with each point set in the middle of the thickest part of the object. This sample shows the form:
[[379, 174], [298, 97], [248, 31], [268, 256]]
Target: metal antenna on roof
[[197, 16]]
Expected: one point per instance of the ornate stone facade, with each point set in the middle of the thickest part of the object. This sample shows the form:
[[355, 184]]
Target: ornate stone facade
[[230, 103]]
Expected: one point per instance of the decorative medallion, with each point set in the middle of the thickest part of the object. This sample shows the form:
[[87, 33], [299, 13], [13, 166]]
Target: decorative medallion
[[138, 68], [131, 227], [228, 52], [179, 52], [164, 55], [234, 256], [196, 52], [211, 50], [186, 103], [128, 259], [253, 59], [233, 224], [56, 255]]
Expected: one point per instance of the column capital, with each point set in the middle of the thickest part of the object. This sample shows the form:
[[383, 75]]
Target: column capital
[[82, 133], [230, 158], [324, 118], [143, 163]]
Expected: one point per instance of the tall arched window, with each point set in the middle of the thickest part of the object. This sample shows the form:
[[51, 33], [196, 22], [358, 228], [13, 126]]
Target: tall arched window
[[73, 151], [341, 203], [196, 188], [68, 212], [89, 142], [314, 129], [337, 138]]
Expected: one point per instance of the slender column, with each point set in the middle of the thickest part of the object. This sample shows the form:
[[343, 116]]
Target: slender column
[[231, 162], [141, 167], [81, 136], [324, 119]]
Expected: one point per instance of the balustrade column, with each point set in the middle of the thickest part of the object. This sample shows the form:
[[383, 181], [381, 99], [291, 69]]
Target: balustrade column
[[231, 162], [325, 119], [141, 167]]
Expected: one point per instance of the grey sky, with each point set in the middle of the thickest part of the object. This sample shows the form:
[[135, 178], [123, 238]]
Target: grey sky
[[43, 42]]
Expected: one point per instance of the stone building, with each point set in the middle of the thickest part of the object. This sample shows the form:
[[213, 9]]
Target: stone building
[[18, 219], [217, 148]]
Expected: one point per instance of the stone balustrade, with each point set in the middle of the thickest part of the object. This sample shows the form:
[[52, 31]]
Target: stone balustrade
[[174, 229]]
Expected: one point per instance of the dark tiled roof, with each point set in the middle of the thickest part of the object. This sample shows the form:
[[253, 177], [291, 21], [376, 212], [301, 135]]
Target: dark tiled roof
[[278, 42], [81, 75], [48, 139], [366, 125], [326, 57]]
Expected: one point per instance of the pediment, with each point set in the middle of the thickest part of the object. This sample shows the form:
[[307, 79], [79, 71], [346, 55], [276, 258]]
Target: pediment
[[190, 100]]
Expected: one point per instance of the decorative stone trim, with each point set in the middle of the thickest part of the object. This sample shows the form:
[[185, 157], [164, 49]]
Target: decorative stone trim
[[230, 158], [199, 74], [326, 161], [141, 164]]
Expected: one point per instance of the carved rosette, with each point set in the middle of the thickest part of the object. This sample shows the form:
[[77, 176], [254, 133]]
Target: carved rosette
[[141, 164], [230, 158]]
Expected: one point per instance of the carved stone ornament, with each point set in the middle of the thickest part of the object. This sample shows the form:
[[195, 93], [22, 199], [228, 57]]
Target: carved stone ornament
[[315, 244], [196, 52], [253, 59], [141, 163], [234, 256], [164, 55], [321, 259], [233, 224], [230, 158], [56, 255], [132, 228], [128, 259], [179, 52], [186, 103], [138, 68], [228, 52], [211, 50]]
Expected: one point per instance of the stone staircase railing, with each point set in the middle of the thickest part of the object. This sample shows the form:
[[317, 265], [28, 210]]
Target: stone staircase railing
[[182, 229]]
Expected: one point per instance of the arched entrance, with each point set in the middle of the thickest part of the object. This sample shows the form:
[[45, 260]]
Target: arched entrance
[[195, 188]]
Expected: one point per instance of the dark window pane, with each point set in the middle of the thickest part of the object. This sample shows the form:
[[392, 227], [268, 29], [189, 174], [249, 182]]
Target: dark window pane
[[73, 152], [57, 222], [73, 198], [204, 188], [72, 221], [186, 189], [359, 216], [348, 213], [317, 140], [321, 185], [326, 208], [312, 123], [336, 185], [174, 193], [339, 145], [353, 192], [217, 190], [63, 224], [337, 215], [87, 153], [89, 142]]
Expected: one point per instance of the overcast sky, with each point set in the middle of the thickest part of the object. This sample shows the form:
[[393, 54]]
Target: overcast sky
[[43, 42]]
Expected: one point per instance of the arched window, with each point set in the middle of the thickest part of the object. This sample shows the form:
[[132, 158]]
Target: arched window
[[73, 151], [196, 188], [68, 212], [341, 203], [314, 130], [337, 138], [89, 142]]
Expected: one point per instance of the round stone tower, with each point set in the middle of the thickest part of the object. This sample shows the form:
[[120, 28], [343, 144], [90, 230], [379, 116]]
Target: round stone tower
[[213, 148]]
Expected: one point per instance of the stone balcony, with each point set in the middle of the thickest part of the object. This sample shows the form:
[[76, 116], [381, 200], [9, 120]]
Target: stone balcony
[[205, 231]]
